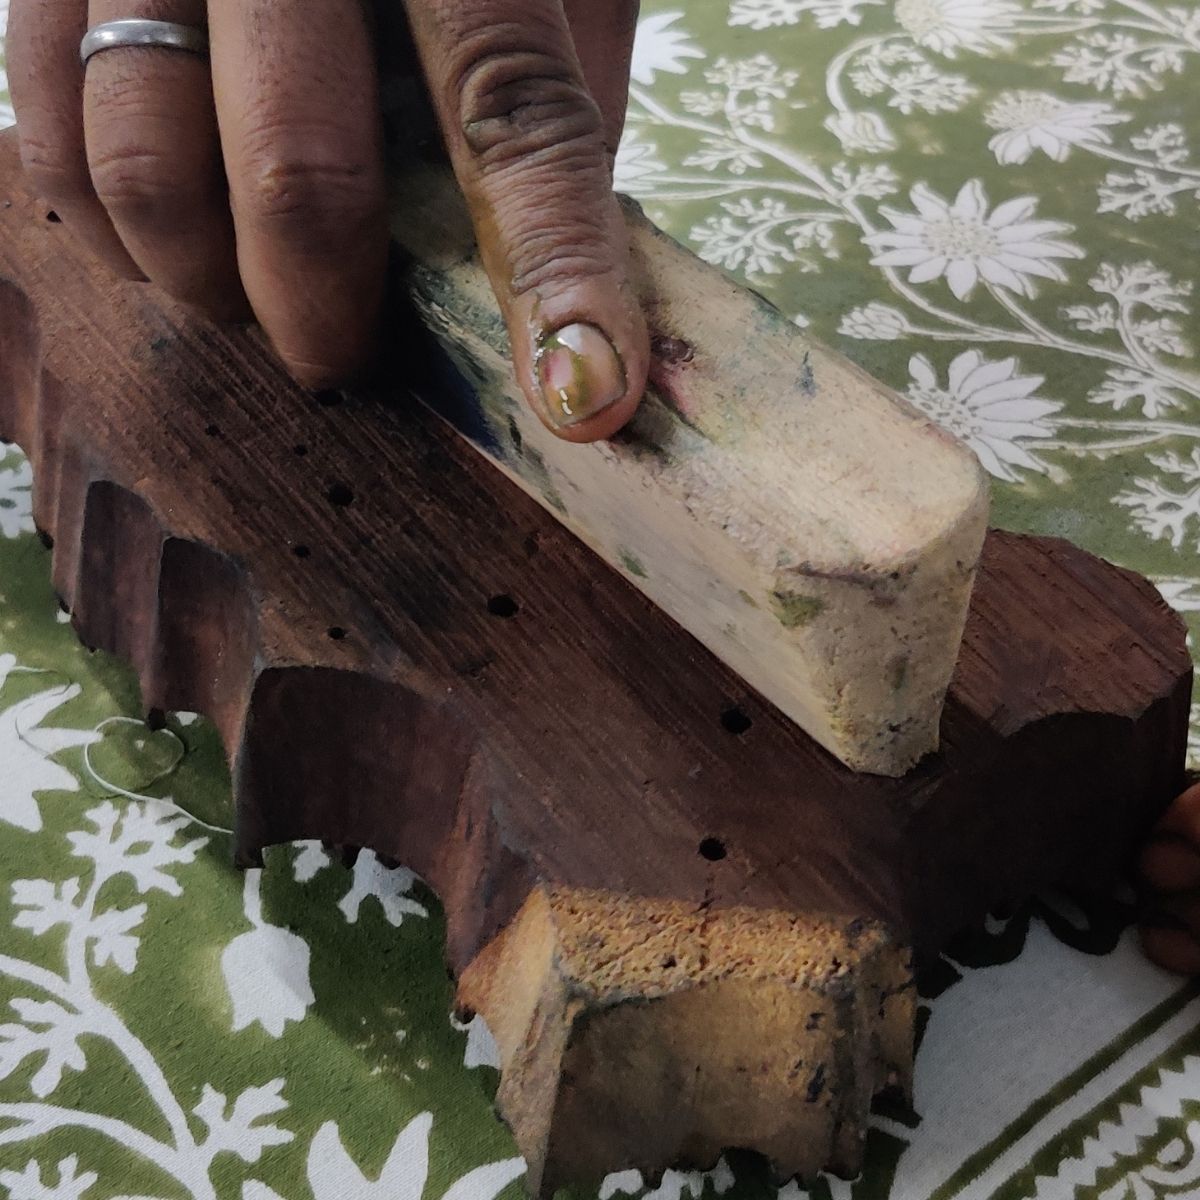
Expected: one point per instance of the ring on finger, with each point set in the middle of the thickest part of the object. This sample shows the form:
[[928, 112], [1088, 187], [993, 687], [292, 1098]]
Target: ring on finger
[[135, 31]]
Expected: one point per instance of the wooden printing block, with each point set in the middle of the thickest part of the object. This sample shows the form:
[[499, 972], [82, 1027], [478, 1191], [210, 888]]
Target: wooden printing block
[[689, 925]]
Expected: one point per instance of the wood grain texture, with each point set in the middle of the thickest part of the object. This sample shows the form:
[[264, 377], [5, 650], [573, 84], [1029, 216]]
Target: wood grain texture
[[812, 529], [402, 650]]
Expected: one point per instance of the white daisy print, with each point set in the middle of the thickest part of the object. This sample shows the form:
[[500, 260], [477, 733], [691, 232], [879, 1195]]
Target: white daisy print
[[989, 405], [658, 47], [16, 499], [961, 241], [1030, 121], [880, 322], [947, 26]]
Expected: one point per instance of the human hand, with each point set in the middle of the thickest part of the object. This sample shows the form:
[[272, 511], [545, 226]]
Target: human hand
[[1169, 868], [254, 182]]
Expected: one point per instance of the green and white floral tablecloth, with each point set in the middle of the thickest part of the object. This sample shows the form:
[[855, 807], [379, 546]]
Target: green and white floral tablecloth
[[993, 205]]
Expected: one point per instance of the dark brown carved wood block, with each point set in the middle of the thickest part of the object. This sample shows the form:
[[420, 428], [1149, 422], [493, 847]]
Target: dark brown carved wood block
[[402, 651]]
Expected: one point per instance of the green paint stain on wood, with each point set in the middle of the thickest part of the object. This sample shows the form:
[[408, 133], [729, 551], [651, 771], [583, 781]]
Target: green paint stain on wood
[[631, 562], [794, 609], [898, 671]]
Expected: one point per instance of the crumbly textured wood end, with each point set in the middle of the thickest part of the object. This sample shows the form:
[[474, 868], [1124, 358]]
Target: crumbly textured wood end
[[808, 526], [623, 1030]]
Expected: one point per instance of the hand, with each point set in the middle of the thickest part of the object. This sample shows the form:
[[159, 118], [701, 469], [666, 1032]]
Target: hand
[[254, 182], [1169, 867]]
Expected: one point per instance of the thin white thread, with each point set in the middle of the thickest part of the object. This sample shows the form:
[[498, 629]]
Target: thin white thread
[[166, 801]]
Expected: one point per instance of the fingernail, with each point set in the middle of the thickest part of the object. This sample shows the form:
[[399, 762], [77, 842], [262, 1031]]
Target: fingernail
[[579, 373]]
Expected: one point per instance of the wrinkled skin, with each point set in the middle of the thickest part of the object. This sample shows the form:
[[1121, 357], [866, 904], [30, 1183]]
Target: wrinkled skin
[[251, 183]]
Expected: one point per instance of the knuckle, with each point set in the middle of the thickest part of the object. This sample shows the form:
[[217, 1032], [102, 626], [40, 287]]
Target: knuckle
[[551, 238], [515, 102], [55, 179], [305, 197], [140, 186]]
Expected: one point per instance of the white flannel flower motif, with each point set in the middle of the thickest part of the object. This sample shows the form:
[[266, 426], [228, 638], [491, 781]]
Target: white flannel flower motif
[[28, 1185], [1112, 63], [26, 752], [1030, 121], [637, 163], [266, 969], [724, 152], [139, 842], [236, 1128], [334, 1175], [16, 500], [46, 1028], [673, 1185], [311, 857], [481, 1049], [1083, 7], [1142, 193], [743, 237], [964, 243], [764, 14], [865, 131], [989, 406], [1157, 508], [1167, 142], [388, 885], [760, 75], [874, 321], [947, 26], [658, 47], [1122, 386], [1142, 283]]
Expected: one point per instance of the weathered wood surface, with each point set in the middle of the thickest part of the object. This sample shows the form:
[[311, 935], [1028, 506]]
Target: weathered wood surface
[[403, 651], [813, 530]]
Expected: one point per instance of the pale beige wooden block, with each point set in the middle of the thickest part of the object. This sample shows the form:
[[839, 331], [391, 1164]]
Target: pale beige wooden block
[[811, 528]]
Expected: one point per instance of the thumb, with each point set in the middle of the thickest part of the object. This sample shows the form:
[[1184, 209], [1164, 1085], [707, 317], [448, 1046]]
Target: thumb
[[526, 140]]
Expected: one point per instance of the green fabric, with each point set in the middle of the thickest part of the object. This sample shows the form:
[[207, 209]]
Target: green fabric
[[990, 205]]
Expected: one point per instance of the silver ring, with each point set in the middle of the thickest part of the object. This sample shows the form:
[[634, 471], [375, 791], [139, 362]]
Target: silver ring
[[136, 32]]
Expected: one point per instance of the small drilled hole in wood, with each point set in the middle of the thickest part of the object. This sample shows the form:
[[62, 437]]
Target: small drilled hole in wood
[[340, 495], [503, 606], [53, 218], [329, 397], [713, 849], [301, 551], [212, 431], [336, 632], [668, 962], [300, 450], [735, 720]]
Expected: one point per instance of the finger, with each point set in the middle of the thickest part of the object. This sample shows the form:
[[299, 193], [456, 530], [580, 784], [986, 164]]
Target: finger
[[1170, 864], [297, 105], [1182, 818], [45, 78], [603, 34], [155, 160], [1171, 933], [527, 143], [1172, 949]]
